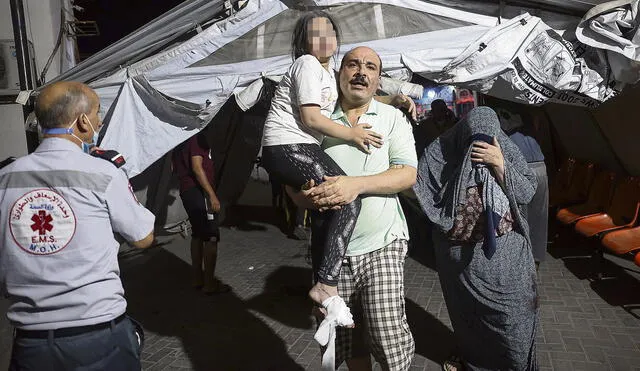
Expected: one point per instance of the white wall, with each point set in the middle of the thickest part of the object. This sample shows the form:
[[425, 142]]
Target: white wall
[[13, 141], [43, 22]]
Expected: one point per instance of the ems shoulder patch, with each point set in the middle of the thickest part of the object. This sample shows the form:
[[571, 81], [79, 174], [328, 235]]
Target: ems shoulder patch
[[42, 222], [112, 156]]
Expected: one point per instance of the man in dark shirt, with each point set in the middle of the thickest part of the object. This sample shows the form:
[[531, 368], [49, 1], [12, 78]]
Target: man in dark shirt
[[194, 167], [440, 119]]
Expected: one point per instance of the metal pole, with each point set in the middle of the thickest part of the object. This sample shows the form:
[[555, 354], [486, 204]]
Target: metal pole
[[22, 45], [24, 63]]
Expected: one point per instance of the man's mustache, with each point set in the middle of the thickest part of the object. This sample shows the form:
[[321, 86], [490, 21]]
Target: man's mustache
[[359, 79]]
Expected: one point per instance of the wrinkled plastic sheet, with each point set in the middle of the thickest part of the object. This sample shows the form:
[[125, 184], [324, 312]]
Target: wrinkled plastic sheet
[[526, 61]]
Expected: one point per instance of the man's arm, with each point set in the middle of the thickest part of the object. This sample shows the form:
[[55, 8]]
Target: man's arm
[[143, 243], [128, 217], [341, 190], [201, 177], [401, 175]]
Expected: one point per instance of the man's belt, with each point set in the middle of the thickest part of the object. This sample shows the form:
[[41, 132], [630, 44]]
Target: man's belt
[[67, 331]]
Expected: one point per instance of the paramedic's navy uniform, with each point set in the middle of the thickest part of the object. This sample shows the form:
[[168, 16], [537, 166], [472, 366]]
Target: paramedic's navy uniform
[[59, 210]]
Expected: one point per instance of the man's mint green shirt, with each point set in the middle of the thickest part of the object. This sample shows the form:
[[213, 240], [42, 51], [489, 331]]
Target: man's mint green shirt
[[381, 219]]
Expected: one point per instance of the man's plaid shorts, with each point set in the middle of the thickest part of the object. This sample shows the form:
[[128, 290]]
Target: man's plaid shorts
[[372, 285]]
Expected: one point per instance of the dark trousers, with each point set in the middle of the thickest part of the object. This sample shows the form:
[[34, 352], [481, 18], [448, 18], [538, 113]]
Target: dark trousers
[[294, 165], [115, 347]]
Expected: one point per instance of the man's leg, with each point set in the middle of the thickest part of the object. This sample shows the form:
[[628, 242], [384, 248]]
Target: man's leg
[[210, 256], [350, 344], [360, 364], [194, 204], [211, 235], [392, 343], [113, 348], [196, 262]]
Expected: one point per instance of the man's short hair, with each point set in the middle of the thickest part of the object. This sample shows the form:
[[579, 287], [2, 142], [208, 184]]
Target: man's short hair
[[439, 103], [63, 110]]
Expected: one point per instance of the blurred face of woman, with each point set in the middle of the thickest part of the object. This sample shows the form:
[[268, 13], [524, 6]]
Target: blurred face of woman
[[322, 41]]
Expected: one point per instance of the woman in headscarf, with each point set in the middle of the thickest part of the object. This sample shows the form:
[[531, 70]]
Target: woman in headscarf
[[471, 182]]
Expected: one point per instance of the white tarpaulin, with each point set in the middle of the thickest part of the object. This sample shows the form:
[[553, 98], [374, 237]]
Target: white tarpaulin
[[525, 60], [157, 92], [614, 27], [160, 119]]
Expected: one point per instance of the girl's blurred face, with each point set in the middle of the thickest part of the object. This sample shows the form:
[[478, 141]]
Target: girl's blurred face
[[322, 42]]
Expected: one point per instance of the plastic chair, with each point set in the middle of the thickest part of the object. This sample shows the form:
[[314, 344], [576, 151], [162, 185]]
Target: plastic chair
[[637, 259], [598, 201], [622, 213], [622, 241]]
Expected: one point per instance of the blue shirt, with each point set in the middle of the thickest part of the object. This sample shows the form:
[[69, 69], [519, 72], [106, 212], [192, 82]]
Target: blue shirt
[[528, 146]]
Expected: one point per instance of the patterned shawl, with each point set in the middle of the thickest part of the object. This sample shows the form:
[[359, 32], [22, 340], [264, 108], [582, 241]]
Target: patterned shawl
[[445, 171]]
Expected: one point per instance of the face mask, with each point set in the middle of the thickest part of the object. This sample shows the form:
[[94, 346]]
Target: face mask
[[86, 147]]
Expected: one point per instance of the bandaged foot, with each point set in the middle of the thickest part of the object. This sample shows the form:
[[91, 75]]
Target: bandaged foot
[[337, 314]]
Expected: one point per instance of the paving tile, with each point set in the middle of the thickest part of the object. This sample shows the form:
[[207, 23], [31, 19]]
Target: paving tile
[[569, 356], [544, 359], [620, 363], [595, 354], [579, 329], [573, 345]]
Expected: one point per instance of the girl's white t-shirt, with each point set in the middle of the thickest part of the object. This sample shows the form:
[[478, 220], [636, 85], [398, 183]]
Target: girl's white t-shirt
[[306, 82]]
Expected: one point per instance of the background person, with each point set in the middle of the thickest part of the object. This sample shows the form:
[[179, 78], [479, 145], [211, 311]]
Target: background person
[[440, 119], [537, 211], [192, 163]]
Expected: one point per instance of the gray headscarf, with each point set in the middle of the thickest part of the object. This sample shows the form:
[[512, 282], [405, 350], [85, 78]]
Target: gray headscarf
[[445, 171]]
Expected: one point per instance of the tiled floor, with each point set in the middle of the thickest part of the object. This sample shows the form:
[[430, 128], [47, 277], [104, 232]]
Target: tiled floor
[[264, 324]]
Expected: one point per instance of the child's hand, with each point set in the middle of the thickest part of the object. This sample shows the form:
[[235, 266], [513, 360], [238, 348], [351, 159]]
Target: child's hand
[[363, 138]]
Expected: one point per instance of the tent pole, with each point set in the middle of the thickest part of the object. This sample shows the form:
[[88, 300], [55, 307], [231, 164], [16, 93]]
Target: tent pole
[[24, 64], [21, 44]]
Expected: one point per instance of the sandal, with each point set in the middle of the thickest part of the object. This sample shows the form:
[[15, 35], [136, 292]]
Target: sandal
[[454, 363]]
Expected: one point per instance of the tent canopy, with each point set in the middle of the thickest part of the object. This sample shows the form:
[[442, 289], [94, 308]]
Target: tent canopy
[[185, 18], [167, 80], [201, 52]]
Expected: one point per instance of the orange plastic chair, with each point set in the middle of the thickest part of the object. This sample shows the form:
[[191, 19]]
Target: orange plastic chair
[[598, 201], [622, 241], [622, 213], [637, 259]]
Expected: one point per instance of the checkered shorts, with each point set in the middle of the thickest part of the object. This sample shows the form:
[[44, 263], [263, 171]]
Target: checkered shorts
[[372, 285]]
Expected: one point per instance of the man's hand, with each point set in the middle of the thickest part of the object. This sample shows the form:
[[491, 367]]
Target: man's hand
[[403, 101], [363, 137], [334, 192], [214, 203]]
